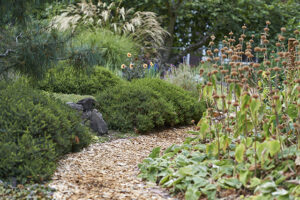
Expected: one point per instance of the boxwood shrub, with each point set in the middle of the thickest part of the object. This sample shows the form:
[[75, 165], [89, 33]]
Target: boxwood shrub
[[147, 104], [186, 105], [131, 106], [66, 79], [35, 130]]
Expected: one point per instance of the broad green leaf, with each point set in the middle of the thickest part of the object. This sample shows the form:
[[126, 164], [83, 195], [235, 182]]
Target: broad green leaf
[[244, 177], [292, 111], [204, 127], [187, 170], [192, 193], [164, 179], [273, 147], [155, 153], [266, 188], [254, 182], [239, 153]]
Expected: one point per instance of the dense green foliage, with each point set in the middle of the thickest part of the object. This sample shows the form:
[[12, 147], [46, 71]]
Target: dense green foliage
[[186, 106], [132, 106], [147, 104], [65, 79], [248, 140], [190, 21], [35, 131]]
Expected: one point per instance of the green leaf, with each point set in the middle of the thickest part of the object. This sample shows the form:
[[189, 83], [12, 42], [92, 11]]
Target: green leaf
[[244, 177], [192, 193], [187, 170], [292, 111], [155, 153], [273, 147], [239, 153], [254, 182]]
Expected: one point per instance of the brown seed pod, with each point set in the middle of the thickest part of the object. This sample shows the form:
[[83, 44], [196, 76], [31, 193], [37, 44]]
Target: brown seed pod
[[268, 73], [229, 102], [276, 69], [256, 65], [268, 22], [216, 50], [266, 29], [255, 96], [284, 63], [236, 104], [285, 82], [296, 32], [280, 126], [275, 97], [283, 29], [278, 44], [209, 84]]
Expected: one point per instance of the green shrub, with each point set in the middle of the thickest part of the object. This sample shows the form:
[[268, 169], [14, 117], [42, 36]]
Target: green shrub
[[65, 79], [186, 106], [35, 130], [130, 106]]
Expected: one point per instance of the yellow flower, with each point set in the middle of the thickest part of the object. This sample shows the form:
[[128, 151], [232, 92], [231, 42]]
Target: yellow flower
[[123, 66], [131, 66], [151, 64], [129, 55], [145, 66]]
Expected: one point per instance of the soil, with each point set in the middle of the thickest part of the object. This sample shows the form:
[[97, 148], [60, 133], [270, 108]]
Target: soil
[[109, 170]]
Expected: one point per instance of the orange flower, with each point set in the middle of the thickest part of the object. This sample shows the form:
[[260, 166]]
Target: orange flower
[[145, 66], [129, 55], [123, 66]]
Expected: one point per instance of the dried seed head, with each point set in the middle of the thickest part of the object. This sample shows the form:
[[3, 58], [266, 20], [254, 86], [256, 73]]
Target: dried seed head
[[275, 97], [231, 33], [266, 29], [244, 27], [280, 126], [268, 22], [278, 44], [296, 32], [276, 69], [267, 62], [236, 104], [283, 29], [256, 65], [255, 96], [216, 50]]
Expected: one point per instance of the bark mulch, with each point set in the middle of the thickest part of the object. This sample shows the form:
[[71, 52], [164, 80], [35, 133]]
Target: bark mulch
[[109, 170]]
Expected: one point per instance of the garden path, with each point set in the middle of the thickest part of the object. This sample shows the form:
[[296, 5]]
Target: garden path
[[109, 170]]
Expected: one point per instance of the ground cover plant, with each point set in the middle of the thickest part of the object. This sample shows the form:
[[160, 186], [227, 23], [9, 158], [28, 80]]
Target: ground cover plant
[[247, 143]]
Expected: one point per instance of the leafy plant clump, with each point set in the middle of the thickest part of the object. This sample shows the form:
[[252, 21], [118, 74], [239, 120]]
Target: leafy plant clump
[[132, 106], [35, 191], [247, 143], [67, 80], [35, 131], [186, 106]]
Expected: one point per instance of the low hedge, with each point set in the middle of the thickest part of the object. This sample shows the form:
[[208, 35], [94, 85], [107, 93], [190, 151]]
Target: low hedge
[[129, 106], [65, 79], [186, 106], [35, 130], [147, 104]]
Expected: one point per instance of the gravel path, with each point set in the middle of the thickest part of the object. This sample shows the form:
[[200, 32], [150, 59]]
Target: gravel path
[[109, 170]]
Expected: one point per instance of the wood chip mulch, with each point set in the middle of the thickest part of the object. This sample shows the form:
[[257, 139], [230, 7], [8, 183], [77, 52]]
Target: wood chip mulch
[[109, 170]]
